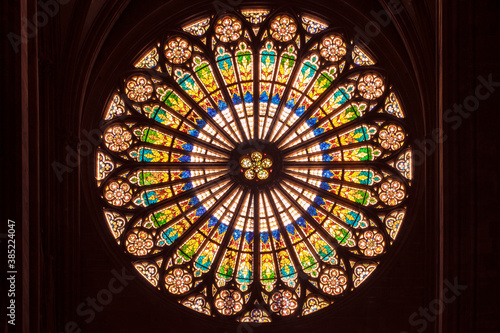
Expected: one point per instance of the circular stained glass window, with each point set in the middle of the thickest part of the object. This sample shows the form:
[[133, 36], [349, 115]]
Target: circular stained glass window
[[255, 165]]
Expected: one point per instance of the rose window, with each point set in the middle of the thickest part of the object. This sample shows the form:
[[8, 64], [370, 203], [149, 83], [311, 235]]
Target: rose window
[[255, 165]]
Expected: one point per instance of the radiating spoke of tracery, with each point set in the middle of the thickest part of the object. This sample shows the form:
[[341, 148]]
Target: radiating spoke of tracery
[[255, 165]]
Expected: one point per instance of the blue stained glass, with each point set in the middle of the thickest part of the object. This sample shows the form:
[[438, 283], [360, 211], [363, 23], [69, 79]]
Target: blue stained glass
[[301, 222], [194, 133], [276, 234], [199, 263], [213, 221], [327, 158], [185, 80], [268, 55], [225, 60], [222, 105], [211, 112], [236, 99], [158, 118], [300, 111], [185, 158], [327, 174], [148, 197], [352, 218], [194, 200], [187, 186], [145, 152], [187, 147], [325, 186], [318, 131], [308, 70], [364, 134], [245, 275], [319, 200], [248, 98], [276, 99], [325, 145], [311, 121], [200, 122], [287, 271], [325, 254], [290, 104], [264, 236], [312, 211], [290, 229], [222, 228], [200, 211], [236, 234], [368, 176], [170, 235], [263, 97], [249, 237], [186, 174], [341, 93]]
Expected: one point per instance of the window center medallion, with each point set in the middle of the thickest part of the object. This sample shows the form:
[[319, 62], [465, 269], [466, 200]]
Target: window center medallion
[[256, 164]]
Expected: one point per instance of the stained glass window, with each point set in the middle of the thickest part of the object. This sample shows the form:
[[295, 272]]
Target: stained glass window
[[255, 165]]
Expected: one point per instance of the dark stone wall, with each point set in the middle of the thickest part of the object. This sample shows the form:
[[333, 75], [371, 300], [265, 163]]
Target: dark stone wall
[[471, 159]]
